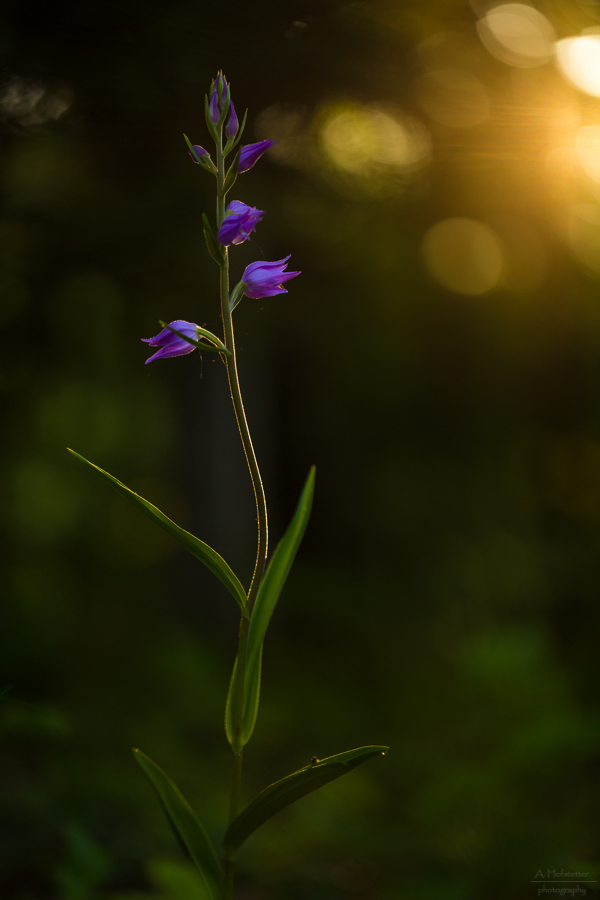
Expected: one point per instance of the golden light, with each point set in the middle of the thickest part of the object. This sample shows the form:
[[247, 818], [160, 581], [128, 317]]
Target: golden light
[[587, 143], [464, 255], [355, 138], [579, 60], [517, 35], [583, 231], [453, 98]]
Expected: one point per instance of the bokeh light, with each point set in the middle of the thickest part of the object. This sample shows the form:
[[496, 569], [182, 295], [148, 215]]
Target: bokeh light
[[517, 35], [579, 60], [357, 137], [453, 98], [463, 255], [30, 103]]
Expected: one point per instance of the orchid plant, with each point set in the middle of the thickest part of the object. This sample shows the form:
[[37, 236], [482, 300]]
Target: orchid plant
[[235, 223]]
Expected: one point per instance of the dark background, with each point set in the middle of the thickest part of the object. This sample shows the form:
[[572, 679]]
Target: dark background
[[445, 598]]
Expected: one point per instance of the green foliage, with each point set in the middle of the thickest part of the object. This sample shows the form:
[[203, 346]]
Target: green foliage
[[281, 794], [266, 600], [186, 826], [85, 868], [214, 247], [197, 548], [232, 173]]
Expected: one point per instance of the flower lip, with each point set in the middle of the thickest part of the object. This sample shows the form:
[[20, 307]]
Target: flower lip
[[239, 223], [169, 343], [265, 279]]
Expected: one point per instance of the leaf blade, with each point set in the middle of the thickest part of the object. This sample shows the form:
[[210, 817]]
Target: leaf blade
[[194, 545], [295, 786], [267, 597], [186, 825]]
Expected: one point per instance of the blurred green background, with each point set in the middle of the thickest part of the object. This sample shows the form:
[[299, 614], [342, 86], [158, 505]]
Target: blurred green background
[[436, 179]]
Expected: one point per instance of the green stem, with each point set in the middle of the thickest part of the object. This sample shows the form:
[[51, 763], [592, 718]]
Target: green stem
[[262, 522]]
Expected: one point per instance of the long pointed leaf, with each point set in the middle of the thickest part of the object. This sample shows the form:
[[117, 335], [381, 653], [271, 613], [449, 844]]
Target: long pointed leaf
[[186, 826], [266, 599], [281, 794], [196, 547]]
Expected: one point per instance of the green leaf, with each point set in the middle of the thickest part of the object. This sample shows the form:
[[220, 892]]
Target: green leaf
[[266, 599], [205, 161], [196, 547], [281, 794], [232, 173], [214, 247], [186, 825], [236, 295]]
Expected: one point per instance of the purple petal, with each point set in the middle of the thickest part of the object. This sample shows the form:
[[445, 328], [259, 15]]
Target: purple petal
[[265, 279], [213, 109], [251, 153], [171, 344], [239, 223], [201, 152], [232, 125]]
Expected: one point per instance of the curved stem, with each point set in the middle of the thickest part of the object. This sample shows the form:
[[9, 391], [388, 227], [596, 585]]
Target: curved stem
[[238, 405], [262, 522]]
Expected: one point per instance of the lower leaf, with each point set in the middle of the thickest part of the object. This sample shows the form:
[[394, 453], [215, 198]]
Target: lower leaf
[[281, 794], [187, 827]]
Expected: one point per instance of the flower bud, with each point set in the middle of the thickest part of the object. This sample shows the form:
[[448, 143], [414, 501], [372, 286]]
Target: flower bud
[[251, 153], [232, 124], [213, 108], [200, 152]]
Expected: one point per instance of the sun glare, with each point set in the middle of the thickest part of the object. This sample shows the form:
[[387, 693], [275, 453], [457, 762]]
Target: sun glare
[[579, 60]]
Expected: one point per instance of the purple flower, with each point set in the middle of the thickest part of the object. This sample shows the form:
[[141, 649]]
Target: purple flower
[[232, 124], [171, 344], [265, 279], [201, 152], [251, 153], [213, 108], [239, 223]]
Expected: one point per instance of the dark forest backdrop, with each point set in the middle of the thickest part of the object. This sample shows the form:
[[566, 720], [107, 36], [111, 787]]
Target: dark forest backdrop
[[439, 361]]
